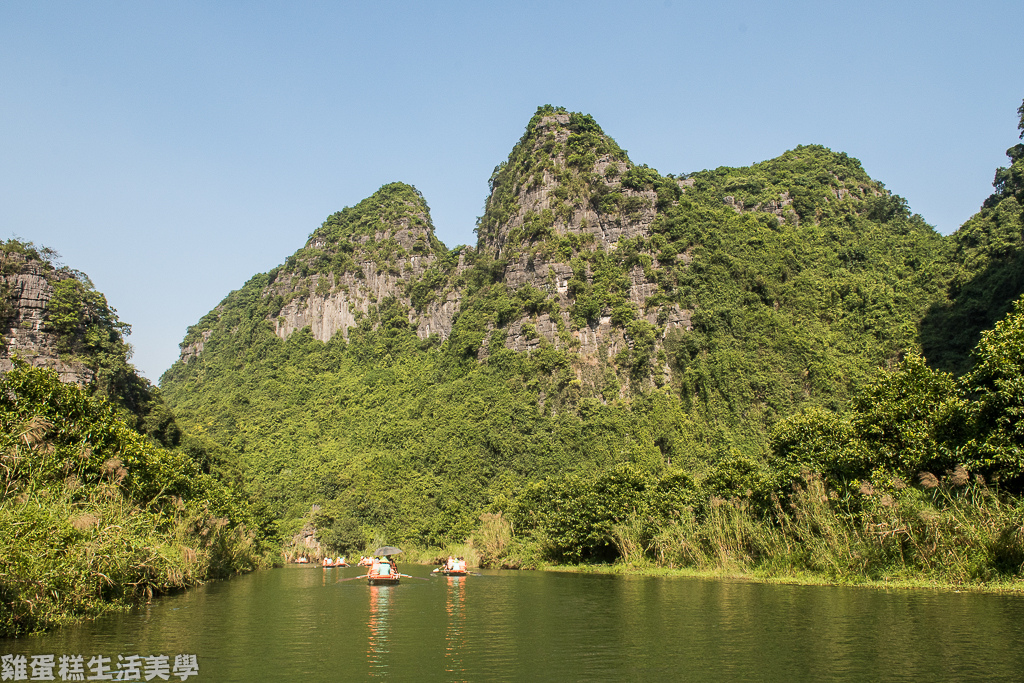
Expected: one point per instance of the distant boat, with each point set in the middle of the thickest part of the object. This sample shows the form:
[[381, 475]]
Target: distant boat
[[453, 568]]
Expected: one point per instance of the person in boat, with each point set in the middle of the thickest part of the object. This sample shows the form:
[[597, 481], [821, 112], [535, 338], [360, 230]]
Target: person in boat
[[460, 564], [381, 567], [450, 565], [328, 562]]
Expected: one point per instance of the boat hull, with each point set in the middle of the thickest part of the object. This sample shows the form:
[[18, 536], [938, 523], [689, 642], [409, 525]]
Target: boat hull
[[383, 580], [453, 573]]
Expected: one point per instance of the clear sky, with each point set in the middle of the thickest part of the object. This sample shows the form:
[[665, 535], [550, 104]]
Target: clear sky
[[173, 150]]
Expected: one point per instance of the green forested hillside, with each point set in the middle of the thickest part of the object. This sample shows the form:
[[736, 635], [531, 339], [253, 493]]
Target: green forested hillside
[[989, 256], [801, 277]]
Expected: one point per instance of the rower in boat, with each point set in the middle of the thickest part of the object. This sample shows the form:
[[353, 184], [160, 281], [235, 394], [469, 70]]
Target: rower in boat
[[453, 567], [383, 573]]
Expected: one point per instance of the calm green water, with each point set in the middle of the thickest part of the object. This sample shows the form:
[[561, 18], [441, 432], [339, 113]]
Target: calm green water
[[300, 624]]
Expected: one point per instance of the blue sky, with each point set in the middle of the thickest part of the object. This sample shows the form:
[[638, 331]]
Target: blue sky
[[173, 150]]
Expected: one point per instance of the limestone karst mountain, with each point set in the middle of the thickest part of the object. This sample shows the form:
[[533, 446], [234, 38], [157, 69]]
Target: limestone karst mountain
[[607, 314], [591, 244]]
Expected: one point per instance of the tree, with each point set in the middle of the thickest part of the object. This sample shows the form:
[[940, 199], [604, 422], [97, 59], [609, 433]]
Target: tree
[[994, 412]]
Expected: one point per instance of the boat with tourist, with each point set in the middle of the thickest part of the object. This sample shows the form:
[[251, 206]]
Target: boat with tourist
[[383, 573], [331, 562], [383, 570], [453, 567]]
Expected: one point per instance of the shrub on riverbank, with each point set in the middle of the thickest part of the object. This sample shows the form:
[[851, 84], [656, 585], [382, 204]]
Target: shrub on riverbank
[[93, 515], [955, 532]]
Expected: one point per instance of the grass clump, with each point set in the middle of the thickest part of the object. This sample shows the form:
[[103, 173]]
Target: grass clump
[[95, 516]]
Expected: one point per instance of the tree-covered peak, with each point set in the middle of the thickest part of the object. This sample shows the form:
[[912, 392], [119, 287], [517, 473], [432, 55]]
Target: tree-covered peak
[[798, 184], [392, 208], [990, 261], [553, 180]]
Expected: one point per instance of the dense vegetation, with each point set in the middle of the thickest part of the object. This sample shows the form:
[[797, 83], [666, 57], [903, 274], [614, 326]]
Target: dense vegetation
[[840, 391], [785, 431], [94, 514], [103, 500], [989, 254]]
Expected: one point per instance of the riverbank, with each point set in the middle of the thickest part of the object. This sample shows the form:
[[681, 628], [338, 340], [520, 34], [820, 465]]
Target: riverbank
[[801, 579], [97, 517]]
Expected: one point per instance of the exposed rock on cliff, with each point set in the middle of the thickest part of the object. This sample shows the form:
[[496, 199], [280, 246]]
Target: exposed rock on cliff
[[26, 286], [568, 192], [384, 247], [564, 176]]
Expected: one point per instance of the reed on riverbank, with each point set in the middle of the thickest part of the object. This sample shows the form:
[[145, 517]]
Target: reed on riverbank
[[94, 516], [954, 532], [950, 534]]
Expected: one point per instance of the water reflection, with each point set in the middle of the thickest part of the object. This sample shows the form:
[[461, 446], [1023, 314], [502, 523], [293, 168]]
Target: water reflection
[[290, 624], [455, 630], [380, 629]]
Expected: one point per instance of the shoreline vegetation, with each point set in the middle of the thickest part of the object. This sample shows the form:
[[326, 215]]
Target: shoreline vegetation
[[95, 517], [947, 534], [791, 580], [775, 372]]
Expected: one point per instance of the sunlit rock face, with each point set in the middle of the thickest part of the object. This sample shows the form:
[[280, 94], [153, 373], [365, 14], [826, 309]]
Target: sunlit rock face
[[26, 284], [562, 192]]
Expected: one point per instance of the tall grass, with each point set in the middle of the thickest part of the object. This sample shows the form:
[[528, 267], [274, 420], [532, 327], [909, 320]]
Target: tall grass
[[68, 553], [948, 533], [954, 531]]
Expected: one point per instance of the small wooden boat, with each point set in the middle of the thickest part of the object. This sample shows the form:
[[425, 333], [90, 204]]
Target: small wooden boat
[[383, 574], [454, 572], [328, 562], [377, 580]]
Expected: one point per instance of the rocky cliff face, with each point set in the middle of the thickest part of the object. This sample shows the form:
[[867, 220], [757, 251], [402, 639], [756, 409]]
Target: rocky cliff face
[[26, 286], [556, 182], [329, 304], [379, 249], [568, 190], [583, 250]]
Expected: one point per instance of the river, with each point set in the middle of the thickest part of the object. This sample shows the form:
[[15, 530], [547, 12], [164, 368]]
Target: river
[[302, 624]]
